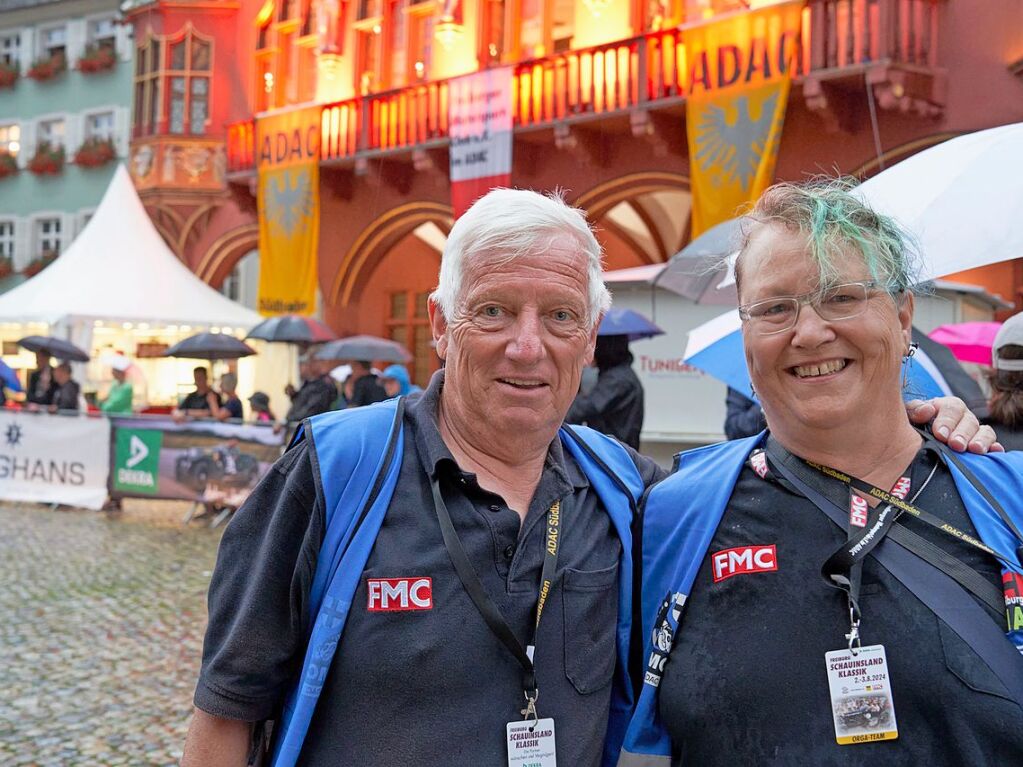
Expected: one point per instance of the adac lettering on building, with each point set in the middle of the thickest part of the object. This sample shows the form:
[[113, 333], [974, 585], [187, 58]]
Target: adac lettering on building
[[726, 62], [289, 138]]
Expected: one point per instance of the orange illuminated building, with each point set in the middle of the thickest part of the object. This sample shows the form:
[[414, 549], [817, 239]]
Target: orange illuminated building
[[599, 111]]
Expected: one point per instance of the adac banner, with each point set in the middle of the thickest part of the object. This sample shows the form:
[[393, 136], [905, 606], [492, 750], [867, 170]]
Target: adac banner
[[54, 458], [288, 168], [203, 461], [480, 126], [738, 73]]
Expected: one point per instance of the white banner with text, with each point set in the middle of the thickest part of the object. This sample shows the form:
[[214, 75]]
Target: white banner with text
[[54, 458], [480, 126]]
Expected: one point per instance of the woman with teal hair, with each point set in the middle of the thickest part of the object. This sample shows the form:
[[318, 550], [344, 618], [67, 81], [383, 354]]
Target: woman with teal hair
[[396, 382], [835, 589]]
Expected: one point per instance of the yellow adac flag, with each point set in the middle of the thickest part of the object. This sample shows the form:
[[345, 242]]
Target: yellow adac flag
[[738, 71], [288, 166]]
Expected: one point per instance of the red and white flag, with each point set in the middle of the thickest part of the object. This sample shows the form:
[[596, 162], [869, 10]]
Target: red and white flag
[[480, 126]]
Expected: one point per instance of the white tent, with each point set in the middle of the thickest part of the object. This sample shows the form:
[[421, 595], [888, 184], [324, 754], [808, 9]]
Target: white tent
[[120, 269]]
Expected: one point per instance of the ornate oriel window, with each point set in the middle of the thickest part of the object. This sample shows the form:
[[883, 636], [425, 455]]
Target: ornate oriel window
[[173, 77]]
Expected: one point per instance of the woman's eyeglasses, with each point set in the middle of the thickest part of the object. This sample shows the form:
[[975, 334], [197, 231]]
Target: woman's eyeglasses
[[776, 315]]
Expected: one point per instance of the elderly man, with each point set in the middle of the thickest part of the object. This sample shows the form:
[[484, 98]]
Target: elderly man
[[410, 577]]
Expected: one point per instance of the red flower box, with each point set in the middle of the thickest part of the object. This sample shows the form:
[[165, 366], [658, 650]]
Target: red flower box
[[9, 74], [97, 58], [36, 265], [95, 152], [8, 164], [47, 161], [6, 268], [48, 67]]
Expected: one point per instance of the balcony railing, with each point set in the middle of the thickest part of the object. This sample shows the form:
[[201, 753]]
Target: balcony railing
[[615, 77]]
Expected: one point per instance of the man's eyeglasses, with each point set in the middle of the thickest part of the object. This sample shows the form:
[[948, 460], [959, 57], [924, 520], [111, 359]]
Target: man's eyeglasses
[[776, 315]]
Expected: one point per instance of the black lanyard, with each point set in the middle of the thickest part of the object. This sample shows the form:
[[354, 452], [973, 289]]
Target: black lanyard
[[490, 612], [875, 530], [820, 491]]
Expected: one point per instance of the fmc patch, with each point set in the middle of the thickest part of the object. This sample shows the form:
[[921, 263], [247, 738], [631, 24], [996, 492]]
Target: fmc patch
[[743, 560], [388, 595]]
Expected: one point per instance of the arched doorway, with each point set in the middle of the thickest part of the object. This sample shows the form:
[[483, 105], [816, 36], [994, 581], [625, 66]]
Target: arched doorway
[[641, 218], [384, 279]]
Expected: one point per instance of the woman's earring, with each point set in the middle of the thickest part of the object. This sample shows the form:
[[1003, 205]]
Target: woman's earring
[[912, 350]]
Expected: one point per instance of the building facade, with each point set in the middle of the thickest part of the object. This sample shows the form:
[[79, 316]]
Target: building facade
[[599, 103], [65, 95]]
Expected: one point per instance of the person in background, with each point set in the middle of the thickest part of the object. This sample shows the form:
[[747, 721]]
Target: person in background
[[743, 418], [362, 387], [232, 407], [41, 383], [1005, 405], [317, 393], [396, 382], [261, 412], [119, 396], [66, 395], [615, 403], [202, 402]]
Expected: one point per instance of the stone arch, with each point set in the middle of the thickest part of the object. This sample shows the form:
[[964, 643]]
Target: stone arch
[[636, 212], [226, 251], [374, 242]]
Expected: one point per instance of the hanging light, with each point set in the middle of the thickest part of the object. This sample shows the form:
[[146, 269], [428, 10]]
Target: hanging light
[[448, 32]]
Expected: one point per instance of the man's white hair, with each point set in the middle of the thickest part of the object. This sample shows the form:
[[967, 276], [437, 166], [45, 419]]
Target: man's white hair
[[510, 223]]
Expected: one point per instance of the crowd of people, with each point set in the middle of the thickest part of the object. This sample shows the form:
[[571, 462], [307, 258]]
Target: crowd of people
[[497, 587], [52, 388]]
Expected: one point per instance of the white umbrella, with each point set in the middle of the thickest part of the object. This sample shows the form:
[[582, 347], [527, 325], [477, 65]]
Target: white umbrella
[[962, 200]]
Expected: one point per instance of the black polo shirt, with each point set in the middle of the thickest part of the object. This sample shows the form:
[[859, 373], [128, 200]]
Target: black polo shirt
[[431, 686], [746, 681]]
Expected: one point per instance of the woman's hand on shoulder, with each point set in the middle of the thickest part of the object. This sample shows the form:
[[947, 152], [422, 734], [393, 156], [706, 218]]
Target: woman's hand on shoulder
[[953, 423]]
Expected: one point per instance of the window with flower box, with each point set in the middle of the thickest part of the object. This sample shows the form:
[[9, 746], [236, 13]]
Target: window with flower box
[[99, 125], [10, 139], [51, 132], [102, 33], [10, 49], [48, 238], [53, 41], [6, 240]]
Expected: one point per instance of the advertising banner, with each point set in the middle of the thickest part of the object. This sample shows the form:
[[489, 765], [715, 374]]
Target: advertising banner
[[738, 73], [480, 125], [54, 458], [196, 461], [288, 169]]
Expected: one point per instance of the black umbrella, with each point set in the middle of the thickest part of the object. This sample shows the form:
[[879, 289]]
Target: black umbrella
[[210, 346], [364, 348], [292, 329], [55, 347]]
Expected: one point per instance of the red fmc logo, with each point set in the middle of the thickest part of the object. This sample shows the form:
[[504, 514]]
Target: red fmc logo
[[387, 595], [742, 560]]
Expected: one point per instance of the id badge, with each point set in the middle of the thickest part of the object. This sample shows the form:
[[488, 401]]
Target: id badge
[[861, 695], [534, 748]]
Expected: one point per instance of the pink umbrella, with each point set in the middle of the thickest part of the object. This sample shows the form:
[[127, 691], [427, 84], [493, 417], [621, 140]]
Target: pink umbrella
[[969, 341]]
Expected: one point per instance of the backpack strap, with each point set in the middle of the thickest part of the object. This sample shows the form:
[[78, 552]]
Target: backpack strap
[[613, 475], [357, 454]]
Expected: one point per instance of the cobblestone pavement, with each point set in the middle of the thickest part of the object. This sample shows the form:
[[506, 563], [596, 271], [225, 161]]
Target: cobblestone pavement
[[101, 624]]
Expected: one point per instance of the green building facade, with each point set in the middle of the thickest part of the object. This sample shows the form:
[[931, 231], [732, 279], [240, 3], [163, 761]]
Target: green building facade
[[65, 95]]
